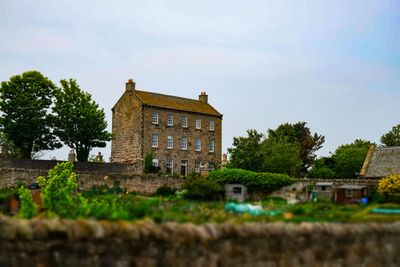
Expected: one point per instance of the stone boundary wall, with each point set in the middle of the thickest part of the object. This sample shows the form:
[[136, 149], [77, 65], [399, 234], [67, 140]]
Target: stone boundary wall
[[55, 242], [90, 174], [340, 181]]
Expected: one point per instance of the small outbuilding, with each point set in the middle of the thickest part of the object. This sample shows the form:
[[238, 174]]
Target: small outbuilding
[[324, 190], [351, 193], [236, 192]]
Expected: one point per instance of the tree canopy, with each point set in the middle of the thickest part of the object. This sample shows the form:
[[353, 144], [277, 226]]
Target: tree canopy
[[392, 138], [25, 120], [246, 152], [299, 134], [79, 122], [346, 162]]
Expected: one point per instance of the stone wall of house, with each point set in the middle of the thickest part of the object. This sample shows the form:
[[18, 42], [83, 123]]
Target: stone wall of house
[[127, 176], [127, 129], [162, 153], [54, 242]]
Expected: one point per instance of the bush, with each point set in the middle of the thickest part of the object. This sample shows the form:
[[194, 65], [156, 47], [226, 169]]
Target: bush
[[28, 208], [59, 192], [202, 188], [389, 187], [165, 191], [264, 182]]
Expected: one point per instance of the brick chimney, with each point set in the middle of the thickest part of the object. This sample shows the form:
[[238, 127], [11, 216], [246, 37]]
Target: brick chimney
[[203, 97], [130, 85]]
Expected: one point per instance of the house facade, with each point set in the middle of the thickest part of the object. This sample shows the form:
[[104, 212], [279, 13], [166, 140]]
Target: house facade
[[183, 135]]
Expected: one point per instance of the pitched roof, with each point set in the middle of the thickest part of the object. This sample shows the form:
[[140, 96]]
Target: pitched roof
[[176, 103], [381, 161]]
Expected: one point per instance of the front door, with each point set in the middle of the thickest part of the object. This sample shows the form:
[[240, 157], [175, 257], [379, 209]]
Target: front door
[[184, 166]]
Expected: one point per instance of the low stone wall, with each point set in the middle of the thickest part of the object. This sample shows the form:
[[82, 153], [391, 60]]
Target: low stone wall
[[127, 176], [54, 242]]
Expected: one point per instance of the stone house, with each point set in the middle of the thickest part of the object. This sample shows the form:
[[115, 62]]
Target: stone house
[[184, 135], [381, 162]]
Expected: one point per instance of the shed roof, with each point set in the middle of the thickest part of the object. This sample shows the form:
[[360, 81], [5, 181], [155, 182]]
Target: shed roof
[[324, 184], [381, 161], [355, 187], [176, 103]]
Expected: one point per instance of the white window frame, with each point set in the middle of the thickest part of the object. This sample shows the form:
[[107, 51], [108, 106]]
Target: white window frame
[[154, 118], [170, 120], [184, 121], [212, 125], [349, 193], [184, 143], [211, 146], [154, 163], [170, 165], [197, 144], [198, 124], [154, 140], [170, 142], [197, 165]]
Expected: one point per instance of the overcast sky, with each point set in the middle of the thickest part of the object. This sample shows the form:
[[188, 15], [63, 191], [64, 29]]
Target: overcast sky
[[334, 64]]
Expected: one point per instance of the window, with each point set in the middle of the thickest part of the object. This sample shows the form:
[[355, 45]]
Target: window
[[198, 124], [154, 118], [197, 166], [154, 140], [211, 146], [170, 166], [211, 166], [154, 163], [197, 144], [212, 125], [237, 190], [170, 142], [184, 122], [184, 143], [170, 120], [349, 193]]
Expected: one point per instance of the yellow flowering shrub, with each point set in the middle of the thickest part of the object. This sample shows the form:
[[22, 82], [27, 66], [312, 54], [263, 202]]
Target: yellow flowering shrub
[[389, 187]]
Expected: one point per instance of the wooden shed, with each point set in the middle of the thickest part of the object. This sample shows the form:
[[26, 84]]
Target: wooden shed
[[351, 193]]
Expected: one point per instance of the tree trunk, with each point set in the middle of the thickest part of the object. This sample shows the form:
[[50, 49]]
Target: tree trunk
[[82, 154]]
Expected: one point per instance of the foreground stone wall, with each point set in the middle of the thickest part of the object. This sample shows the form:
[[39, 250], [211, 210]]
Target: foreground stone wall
[[127, 176], [54, 242]]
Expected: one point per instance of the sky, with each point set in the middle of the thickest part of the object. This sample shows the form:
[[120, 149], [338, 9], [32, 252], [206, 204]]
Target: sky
[[333, 64]]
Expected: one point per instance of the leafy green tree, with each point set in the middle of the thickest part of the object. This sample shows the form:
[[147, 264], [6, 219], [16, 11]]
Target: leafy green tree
[[25, 120], [246, 152], [323, 168], [79, 122], [349, 158], [28, 208], [300, 134], [392, 138], [281, 156]]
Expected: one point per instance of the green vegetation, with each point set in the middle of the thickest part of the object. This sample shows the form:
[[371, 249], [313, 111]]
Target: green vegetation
[[202, 188], [260, 182], [79, 122], [389, 188], [28, 208], [25, 121], [346, 162], [290, 149], [392, 138]]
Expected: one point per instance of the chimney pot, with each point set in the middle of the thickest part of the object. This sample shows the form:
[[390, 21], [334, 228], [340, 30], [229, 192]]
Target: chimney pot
[[130, 85], [203, 97]]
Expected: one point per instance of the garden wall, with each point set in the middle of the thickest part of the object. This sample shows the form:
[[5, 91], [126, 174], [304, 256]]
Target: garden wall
[[54, 242], [127, 176]]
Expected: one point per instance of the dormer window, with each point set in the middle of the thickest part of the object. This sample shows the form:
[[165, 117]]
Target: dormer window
[[154, 118]]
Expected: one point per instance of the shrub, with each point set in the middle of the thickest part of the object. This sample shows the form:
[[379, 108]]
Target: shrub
[[389, 187], [59, 192], [264, 182], [165, 191], [202, 188], [28, 208]]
